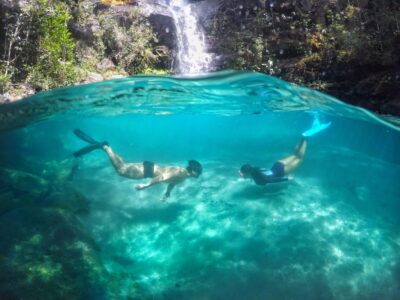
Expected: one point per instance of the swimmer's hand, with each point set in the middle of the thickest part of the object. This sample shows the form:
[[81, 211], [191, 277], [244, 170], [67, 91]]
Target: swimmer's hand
[[141, 186], [165, 197]]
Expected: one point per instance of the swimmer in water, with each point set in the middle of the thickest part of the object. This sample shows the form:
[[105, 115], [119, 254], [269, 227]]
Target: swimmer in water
[[281, 169], [171, 175]]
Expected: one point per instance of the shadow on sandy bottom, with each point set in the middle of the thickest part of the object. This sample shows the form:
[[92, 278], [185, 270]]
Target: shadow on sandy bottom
[[166, 214], [260, 192]]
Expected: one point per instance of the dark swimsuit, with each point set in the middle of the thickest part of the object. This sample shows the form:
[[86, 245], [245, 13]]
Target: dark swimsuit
[[275, 174], [278, 169], [148, 169]]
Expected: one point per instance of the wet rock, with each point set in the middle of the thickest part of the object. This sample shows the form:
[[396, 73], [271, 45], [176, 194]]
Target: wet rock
[[116, 76], [165, 27], [14, 4], [23, 182], [49, 189], [161, 20], [48, 254], [93, 77], [4, 99], [86, 32], [105, 64], [392, 107], [17, 93]]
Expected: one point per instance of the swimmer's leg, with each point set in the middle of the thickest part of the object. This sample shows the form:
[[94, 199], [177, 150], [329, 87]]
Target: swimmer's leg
[[300, 149], [293, 161], [115, 159], [130, 170]]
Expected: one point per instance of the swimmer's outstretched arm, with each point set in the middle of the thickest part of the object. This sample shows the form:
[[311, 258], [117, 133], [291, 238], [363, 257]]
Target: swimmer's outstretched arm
[[154, 181]]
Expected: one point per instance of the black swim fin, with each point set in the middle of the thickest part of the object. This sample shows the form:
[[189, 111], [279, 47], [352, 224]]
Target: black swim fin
[[93, 143], [84, 137], [86, 150]]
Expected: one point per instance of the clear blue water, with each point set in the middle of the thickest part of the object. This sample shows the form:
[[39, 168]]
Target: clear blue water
[[74, 228]]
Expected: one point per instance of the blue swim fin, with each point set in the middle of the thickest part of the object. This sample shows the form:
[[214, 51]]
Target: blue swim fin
[[316, 127]]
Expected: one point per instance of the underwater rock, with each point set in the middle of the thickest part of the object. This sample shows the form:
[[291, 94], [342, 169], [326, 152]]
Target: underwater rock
[[67, 199], [48, 255], [23, 182], [51, 189]]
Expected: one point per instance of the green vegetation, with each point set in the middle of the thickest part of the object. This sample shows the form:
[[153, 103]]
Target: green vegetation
[[152, 71], [129, 45], [348, 48], [56, 43], [55, 61], [4, 81], [357, 36], [344, 32]]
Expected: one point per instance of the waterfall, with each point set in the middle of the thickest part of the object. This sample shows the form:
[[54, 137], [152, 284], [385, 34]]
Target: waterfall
[[192, 56]]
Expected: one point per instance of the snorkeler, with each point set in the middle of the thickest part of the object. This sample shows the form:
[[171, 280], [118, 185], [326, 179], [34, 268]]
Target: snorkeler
[[282, 168], [147, 169]]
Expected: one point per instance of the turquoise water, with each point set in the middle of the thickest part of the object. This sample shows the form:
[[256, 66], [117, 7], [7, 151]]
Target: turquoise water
[[74, 229]]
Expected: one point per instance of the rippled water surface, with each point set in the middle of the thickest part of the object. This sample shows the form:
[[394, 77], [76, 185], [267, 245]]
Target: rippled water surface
[[72, 228]]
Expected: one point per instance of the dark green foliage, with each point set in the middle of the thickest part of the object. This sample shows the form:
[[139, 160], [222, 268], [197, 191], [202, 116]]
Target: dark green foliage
[[16, 33], [4, 81], [123, 37], [245, 45], [50, 43], [348, 48], [38, 45], [128, 44], [55, 61]]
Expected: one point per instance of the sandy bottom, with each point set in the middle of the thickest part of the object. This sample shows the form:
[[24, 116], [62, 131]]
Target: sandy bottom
[[324, 235]]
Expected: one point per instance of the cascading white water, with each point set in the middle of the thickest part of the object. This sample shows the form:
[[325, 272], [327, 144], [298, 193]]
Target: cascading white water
[[192, 56]]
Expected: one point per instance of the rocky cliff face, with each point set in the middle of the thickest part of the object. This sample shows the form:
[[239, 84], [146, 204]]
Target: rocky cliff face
[[350, 49]]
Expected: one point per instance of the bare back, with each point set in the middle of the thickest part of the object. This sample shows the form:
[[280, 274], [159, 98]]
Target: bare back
[[170, 174]]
